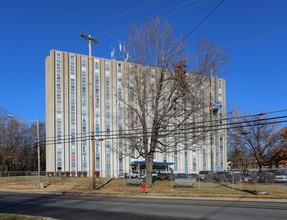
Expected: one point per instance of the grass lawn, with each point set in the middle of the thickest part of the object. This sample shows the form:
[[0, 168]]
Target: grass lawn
[[120, 187]]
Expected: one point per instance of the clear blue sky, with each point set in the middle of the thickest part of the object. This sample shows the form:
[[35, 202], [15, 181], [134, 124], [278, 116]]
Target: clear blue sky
[[30, 29]]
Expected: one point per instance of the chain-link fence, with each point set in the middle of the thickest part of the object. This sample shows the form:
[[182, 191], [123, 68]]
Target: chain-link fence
[[251, 181]]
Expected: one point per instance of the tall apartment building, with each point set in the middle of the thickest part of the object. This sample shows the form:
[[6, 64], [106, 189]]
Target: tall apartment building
[[68, 118]]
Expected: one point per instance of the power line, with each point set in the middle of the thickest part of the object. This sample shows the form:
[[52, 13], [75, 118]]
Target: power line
[[255, 38], [190, 124], [193, 29], [120, 16], [36, 62], [123, 137], [130, 136], [152, 16], [152, 133]]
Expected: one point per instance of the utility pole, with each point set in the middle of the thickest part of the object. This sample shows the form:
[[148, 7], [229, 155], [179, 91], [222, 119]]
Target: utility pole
[[38, 149], [91, 40], [211, 118]]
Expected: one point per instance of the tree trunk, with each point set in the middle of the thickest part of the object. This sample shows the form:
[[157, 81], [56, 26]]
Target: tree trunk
[[260, 167], [149, 166]]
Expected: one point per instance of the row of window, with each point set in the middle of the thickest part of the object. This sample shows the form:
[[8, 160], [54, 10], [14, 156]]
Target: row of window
[[72, 110], [108, 122], [97, 109], [59, 109], [84, 111]]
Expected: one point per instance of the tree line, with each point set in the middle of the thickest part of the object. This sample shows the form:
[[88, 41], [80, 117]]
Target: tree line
[[255, 141], [18, 144]]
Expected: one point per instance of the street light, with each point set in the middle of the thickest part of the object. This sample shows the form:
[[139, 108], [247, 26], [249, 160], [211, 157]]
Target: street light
[[38, 144]]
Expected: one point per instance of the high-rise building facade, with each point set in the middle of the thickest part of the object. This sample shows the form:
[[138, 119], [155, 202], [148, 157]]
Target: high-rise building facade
[[68, 125]]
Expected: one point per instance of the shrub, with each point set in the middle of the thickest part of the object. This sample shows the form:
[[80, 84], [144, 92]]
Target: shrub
[[52, 174], [97, 173], [171, 177], [85, 173], [161, 176], [254, 179], [222, 178], [194, 175], [236, 179], [181, 175], [270, 179], [208, 178], [73, 173], [67, 173], [79, 173]]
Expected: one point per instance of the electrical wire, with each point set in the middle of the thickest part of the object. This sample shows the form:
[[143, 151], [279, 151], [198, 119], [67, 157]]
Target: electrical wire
[[193, 29], [131, 136], [152, 16], [40, 60], [190, 124], [157, 133], [120, 16]]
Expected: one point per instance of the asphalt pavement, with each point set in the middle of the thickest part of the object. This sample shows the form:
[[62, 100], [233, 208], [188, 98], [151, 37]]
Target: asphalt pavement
[[61, 206]]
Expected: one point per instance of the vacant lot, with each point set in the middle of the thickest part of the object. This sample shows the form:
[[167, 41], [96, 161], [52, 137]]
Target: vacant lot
[[120, 187]]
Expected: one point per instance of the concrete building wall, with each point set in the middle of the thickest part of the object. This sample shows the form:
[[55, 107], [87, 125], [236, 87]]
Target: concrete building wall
[[59, 117]]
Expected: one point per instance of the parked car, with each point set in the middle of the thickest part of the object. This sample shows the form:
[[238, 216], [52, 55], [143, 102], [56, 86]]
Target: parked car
[[203, 173], [281, 177], [137, 174], [261, 177], [124, 175], [154, 175]]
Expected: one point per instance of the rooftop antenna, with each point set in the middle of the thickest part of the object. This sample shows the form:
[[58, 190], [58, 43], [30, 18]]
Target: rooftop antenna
[[113, 54], [120, 48]]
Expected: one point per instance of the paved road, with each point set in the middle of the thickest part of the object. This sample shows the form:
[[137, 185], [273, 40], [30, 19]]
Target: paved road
[[96, 207]]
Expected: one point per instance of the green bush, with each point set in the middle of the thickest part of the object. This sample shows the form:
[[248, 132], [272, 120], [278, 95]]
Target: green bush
[[79, 173], [85, 173]]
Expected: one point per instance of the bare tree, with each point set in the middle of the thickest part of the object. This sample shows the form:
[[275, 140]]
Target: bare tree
[[164, 98], [256, 134], [18, 150]]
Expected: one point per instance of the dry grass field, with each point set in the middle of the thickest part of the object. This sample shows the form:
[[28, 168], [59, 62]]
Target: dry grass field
[[120, 187]]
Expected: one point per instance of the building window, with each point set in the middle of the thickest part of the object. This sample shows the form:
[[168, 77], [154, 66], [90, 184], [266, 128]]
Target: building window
[[72, 111], [84, 111], [97, 109], [108, 122], [120, 112], [59, 108]]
